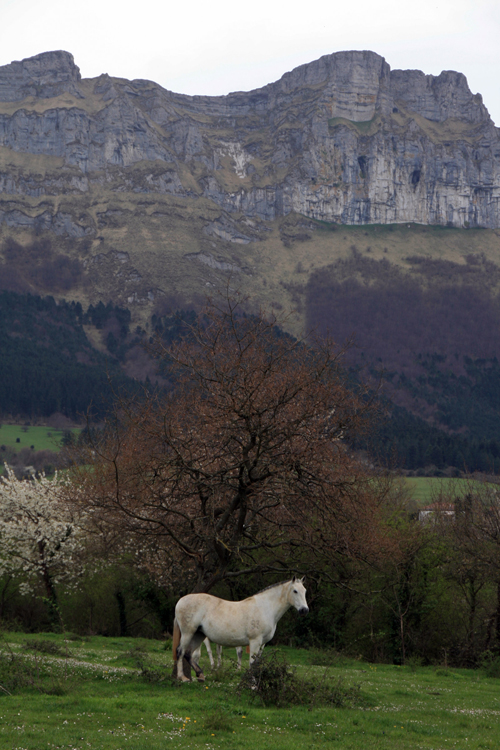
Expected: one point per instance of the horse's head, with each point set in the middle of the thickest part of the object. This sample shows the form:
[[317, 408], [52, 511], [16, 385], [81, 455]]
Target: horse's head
[[297, 595]]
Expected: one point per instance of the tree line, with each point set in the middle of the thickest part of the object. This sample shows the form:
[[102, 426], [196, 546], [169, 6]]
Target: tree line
[[404, 441], [47, 363]]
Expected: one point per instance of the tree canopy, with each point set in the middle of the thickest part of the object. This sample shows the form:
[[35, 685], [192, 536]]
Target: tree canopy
[[244, 465], [39, 535]]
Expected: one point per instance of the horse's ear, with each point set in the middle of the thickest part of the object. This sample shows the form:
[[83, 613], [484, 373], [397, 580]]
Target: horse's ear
[[293, 579], [302, 579]]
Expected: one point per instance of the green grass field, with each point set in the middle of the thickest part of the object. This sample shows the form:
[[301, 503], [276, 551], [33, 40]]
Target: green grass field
[[426, 490], [92, 695], [41, 438]]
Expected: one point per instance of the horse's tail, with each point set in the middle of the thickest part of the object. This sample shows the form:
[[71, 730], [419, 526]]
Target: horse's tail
[[176, 639]]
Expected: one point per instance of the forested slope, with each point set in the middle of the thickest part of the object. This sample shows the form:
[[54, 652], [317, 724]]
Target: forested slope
[[47, 363], [431, 333]]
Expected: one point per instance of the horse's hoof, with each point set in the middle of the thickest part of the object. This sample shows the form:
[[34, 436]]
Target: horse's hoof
[[185, 679], [201, 678]]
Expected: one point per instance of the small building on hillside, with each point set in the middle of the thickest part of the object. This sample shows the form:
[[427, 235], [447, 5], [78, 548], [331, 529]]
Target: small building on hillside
[[434, 511]]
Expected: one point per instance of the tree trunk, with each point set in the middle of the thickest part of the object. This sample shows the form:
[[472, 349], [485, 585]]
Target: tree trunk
[[122, 614], [497, 622], [54, 614]]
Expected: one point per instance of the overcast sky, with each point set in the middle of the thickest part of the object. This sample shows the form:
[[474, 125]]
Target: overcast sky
[[216, 46]]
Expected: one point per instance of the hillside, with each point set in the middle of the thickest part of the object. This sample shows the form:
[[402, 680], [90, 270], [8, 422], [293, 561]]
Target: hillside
[[362, 201], [60, 363]]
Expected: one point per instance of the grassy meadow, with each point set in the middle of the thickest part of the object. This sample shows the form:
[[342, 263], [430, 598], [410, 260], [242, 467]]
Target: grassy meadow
[[37, 437], [425, 490], [116, 693]]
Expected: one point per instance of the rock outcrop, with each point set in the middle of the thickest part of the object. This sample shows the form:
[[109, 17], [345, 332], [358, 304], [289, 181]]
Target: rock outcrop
[[343, 139], [44, 76]]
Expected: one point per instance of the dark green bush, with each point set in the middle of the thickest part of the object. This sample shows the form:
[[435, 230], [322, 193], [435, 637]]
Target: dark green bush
[[153, 673], [490, 662], [273, 681], [45, 647]]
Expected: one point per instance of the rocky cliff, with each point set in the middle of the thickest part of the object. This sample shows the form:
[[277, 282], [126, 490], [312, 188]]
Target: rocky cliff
[[343, 139], [120, 190]]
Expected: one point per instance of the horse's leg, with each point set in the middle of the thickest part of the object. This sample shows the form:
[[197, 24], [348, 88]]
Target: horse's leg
[[219, 656], [196, 655], [256, 647], [183, 650], [209, 651], [195, 648], [239, 652]]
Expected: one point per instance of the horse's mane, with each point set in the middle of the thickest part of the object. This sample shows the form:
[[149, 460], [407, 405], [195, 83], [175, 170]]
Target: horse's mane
[[272, 586]]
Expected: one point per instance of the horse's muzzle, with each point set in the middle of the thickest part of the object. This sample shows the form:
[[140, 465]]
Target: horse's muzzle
[[303, 610]]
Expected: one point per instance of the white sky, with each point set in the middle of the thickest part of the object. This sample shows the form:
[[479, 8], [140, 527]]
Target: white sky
[[216, 46]]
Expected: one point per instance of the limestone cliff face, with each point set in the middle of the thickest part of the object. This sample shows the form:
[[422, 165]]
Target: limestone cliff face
[[343, 139], [45, 76]]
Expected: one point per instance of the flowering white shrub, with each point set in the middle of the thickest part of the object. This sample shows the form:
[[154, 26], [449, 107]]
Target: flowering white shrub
[[39, 536]]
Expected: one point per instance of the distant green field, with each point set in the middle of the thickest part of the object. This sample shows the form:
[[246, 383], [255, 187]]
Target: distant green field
[[38, 438], [429, 489]]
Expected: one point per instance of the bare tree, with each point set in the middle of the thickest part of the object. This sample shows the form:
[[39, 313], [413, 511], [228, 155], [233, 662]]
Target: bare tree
[[244, 465]]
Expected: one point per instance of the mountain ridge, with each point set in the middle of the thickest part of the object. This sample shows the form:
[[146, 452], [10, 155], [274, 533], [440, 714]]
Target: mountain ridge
[[35, 76], [341, 139]]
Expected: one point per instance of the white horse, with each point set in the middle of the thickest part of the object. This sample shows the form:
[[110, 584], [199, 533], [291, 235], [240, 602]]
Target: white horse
[[249, 622]]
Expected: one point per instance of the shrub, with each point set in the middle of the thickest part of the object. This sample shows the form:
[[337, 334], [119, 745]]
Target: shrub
[[414, 661], [137, 652], [490, 662], [14, 672], [153, 673], [45, 647], [275, 682], [271, 679]]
